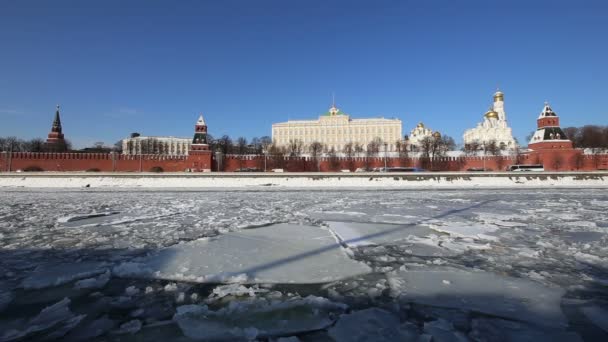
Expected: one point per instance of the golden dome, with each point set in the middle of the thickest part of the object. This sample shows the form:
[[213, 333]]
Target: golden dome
[[437, 135], [420, 124], [490, 114], [499, 96]]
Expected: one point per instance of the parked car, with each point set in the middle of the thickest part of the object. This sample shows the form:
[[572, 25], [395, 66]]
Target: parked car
[[248, 169], [363, 169]]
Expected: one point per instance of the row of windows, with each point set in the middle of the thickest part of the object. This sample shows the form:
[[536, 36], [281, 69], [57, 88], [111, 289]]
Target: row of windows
[[284, 141], [362, 130]]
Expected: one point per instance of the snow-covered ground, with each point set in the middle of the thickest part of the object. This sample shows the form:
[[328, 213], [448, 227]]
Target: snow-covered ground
[[305, 180], [333, 265]]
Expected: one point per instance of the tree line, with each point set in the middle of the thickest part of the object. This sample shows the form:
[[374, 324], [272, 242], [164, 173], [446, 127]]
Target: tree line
[[14, 144], [590, 136]]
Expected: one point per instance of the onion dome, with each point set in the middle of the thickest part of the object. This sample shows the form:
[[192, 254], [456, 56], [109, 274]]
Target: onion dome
[[436, 135], [499, 96], [420, 125], [491, 114]]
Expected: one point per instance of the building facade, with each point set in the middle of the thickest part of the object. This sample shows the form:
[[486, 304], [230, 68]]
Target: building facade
[[335, 129], [494, 127], [156, 145], [416, 136]]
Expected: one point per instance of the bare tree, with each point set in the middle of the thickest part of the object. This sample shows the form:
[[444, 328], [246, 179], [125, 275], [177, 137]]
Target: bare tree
[[349, 152], [277, 155], [315, 149], [491, 148], [294, 148], [471, 148], [35, 145], [225, 144], [402, 151], [334, 161], [241, 149], [373, 147], [358, 148], [241, 146]]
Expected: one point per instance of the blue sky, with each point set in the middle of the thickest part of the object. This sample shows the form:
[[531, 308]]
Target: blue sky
[[151, 66]]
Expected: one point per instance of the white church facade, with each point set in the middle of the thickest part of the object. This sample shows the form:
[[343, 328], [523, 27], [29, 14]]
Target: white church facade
[[494, 127]]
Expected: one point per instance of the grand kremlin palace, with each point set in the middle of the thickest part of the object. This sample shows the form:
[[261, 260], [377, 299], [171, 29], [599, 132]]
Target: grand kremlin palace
[[335, 129]]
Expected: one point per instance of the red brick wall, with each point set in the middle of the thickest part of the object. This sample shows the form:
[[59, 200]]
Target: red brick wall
[[102, 162], [558, 160], [562, 160]]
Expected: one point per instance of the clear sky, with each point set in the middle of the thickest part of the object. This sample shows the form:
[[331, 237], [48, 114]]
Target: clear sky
[[149, 66]]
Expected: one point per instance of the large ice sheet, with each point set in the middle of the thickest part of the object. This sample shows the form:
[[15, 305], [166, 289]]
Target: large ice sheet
[[283, 253], [257, 317], [484, 292], [363, 234]]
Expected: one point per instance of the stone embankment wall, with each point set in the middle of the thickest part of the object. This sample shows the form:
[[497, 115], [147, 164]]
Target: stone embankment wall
[[268, 181]]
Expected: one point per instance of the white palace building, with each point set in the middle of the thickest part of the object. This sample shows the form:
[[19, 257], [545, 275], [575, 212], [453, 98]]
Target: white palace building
[[335, 129], [493, 127]]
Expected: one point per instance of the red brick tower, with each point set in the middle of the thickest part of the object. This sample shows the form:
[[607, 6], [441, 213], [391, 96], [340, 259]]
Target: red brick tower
[[199, 154], [548, 134], [550, 146], [55, 141]]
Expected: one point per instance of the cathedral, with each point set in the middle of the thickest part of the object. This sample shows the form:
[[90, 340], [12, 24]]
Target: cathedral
[[417, 135], [493, 127]]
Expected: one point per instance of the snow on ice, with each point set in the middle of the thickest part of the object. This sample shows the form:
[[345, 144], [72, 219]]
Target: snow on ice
[[283, 253], [519, 265]]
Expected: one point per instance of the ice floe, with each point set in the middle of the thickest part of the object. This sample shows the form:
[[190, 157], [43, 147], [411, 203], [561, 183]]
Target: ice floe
[[52, 322], [283, 253], [257, 318], [484, 292], [58, 274], [371, 325]]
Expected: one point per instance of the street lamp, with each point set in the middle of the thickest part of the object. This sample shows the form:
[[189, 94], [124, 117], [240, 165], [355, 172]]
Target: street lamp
[[265, 151], [385, 151], [483, 146]]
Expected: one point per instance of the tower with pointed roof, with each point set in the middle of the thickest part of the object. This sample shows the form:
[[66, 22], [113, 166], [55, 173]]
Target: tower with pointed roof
[[549, 134], [199, 155], [55, 141], [199, 142]]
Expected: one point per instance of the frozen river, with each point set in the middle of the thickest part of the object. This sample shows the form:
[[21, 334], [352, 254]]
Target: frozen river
[[483, 265]]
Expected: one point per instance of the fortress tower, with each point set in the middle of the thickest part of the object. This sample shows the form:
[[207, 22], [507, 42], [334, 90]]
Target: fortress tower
[[199, 154], [548, 134], [55, 141]]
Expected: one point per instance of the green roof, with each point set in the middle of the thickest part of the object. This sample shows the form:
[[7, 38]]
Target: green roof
[[339, 112]]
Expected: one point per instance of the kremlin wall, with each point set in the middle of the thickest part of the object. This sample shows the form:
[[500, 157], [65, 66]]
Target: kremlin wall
[[549, 146]]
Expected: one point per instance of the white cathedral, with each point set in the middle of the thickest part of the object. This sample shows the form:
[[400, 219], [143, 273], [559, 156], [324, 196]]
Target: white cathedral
[[493, 127]]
